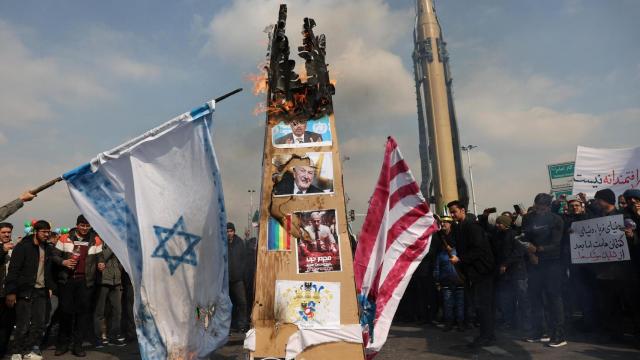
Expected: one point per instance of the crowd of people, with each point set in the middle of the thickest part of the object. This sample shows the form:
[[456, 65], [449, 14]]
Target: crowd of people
[[514, 270], [62, 289], [511, 270]]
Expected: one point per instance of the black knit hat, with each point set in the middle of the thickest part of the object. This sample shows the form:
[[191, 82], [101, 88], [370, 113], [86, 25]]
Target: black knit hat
[[81, 220], [230, 226], [606, 195], [632, 193]]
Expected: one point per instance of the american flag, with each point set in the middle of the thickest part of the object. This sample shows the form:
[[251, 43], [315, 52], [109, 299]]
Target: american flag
[[395, 237]]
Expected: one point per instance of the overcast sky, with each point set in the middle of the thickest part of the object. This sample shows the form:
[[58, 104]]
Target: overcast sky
[[532, 80]]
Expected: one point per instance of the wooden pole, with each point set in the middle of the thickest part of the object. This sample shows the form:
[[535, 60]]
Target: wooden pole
[[45, 186]]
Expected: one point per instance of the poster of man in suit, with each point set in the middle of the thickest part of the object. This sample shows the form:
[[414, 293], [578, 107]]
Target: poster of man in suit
[[311, 174], [302, 133], [320, 251]]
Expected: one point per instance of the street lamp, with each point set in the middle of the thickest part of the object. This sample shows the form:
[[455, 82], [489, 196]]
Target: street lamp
[[250, 216], [468, 149]]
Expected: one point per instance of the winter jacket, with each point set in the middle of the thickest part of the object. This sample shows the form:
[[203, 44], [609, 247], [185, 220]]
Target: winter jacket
[[4, 261], [474, 250], [112, 273], [8, 209], [236, 259], [23, 268], [545, 230], [510, 253], [64, 251], [614, 270], [444, 271]]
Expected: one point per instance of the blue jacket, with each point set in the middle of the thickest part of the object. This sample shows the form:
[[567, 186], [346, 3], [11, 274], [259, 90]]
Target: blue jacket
[[444, 271]]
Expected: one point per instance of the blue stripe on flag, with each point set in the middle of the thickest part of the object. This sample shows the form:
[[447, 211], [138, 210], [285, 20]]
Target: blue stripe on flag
[[77, 171], [110, 204]]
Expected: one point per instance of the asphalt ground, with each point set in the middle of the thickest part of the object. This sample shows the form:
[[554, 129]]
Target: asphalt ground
[[412, 341]]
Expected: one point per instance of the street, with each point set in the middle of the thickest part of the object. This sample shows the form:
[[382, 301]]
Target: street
[[427, 342]]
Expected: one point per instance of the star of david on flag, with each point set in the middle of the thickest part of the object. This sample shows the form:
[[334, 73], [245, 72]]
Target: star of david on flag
[[157, 201], [163, 251]]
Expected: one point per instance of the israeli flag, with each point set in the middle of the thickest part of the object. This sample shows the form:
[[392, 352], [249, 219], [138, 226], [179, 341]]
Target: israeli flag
[[157, 202]]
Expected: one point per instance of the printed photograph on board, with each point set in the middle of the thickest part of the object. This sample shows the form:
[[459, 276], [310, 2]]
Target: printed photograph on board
[[319, 249], [311, 174], [302, 133], [308, 304]]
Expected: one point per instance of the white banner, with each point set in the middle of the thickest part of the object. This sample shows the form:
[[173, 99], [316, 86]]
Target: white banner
[[616, 169], [599, 240]]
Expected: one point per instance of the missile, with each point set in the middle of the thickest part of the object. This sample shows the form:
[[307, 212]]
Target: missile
[[440, 158]]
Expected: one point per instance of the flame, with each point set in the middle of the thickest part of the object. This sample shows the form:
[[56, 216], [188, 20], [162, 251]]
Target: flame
[[259, 80]]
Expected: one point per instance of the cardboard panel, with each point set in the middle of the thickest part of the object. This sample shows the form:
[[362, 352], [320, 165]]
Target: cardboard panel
[[271, 338]]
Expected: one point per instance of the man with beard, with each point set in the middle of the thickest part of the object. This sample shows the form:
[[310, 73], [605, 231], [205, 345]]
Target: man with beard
[[617, 281], [7, 315], [28, 286]]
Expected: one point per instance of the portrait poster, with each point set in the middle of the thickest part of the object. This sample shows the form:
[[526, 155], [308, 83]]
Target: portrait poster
[[310, 174], [308, 304], [301, 133], [320, 251]]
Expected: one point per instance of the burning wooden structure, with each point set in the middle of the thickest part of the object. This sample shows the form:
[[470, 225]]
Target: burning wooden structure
[[304, 277]]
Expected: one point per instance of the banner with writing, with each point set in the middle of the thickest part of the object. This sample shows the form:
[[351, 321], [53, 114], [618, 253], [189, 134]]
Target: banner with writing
[[561, 175], [616, 169], [599, 240]]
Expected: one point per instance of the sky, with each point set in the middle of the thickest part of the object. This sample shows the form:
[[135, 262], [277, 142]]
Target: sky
[[532, 80]]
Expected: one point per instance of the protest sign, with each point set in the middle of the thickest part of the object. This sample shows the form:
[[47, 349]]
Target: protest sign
[[599, 240], [561, 175], [616, 169]]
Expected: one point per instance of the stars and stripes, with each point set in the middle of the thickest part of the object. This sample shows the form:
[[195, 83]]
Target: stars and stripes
[[395, 236]]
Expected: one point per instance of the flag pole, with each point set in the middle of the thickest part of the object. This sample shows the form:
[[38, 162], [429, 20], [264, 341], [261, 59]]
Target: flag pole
[[46, 185], [52, 182]]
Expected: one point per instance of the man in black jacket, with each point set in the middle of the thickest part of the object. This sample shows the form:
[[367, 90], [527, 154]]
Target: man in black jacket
[[582, 289], [236, 256], [543, 230], [476, 258], [28, 286], [617, 281], [512, 274], [7, 315]]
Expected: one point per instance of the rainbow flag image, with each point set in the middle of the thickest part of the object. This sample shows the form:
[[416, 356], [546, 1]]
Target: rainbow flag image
[[279, 238]]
